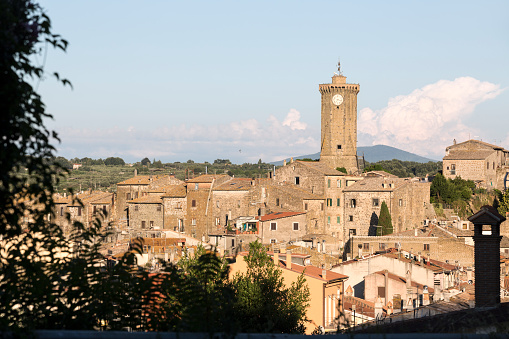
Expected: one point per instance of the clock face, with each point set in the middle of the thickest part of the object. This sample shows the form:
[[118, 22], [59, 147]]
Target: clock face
[[337, 99]]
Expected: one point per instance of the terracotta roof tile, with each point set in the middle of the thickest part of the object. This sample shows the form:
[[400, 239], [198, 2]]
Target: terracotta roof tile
[[176, 191], [140, 180], [279, 215], [319, 167]]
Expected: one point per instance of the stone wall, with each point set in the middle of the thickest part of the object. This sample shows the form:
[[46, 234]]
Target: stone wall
[[175, 209], [284, 229], [146, 216]]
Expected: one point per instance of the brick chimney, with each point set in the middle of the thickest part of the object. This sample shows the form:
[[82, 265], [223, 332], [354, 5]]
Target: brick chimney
[[487, 256]]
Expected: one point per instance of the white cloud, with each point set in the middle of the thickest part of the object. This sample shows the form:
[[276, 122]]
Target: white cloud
[[240, 141], [292, 120], [428, 119]]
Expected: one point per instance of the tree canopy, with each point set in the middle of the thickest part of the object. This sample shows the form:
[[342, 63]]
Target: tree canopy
[[385, 220]]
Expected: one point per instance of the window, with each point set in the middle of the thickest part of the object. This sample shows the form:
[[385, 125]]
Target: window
[[381, 291], [297, 180], [426, 247], [104, 208], [338, 183], [273, 241], [353, 203], [218, 221], [193, 203], [79, 211], [328, 220], [136, 195], [158, 208], [196, 186], [179, 205], [400, 202], [487, 165], [217, 204], [143, 224], [128, 196], [321, 206], [329, 202], [273, 226], [193, 222], [365, 246], [328, 183], [338, 202], [277, 201], [295, 226], [339, 146], [350, 217], [381, 246], [233, 242], [375, 202], [353, 231], [338, 219], [306, 206], [136, 207], [62, 211], [151, 223]]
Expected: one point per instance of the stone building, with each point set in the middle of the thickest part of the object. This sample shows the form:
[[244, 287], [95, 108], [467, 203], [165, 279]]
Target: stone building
[[231, 200], [407, 200], [146, 212], [137, 187], [427, 242], [175, 208], [95, 206], [325, 184], [339, 124], [483, 163], [281, 227], [199, 195]]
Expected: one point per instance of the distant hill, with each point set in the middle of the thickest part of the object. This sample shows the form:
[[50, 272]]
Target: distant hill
[[373, 154]]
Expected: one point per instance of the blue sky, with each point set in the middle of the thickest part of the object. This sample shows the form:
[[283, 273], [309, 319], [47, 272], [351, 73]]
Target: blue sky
[[204, 80]]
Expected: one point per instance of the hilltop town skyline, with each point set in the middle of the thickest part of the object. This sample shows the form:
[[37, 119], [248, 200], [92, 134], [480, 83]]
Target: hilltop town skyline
[[241, 81]]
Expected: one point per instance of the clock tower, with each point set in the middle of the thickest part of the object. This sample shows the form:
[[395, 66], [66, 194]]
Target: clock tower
[[339, 123]]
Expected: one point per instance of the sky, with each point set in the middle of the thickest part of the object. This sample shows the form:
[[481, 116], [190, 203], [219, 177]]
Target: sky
[[238, 80]]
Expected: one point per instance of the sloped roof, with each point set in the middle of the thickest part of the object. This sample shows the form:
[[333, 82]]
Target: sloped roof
[[235, 184], [148, 199], [140, 180], [468, 154], [319, 167], [314, 272], [473, 141], [279, 215], [175, 191], [207, 178], [379, 174]]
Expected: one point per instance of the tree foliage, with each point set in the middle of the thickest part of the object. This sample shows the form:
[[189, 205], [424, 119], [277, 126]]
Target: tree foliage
[[114, 161], [405, 169], [451, 190], [385, 220], [264, 303], [341, 169], [502, 203]]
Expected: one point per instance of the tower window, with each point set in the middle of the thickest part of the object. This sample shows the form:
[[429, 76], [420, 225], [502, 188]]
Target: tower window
[[297, 180], [339, 146]]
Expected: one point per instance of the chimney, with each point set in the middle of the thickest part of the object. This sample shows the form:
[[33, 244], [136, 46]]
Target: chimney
[[324, 273], [284, 162], [487, 256], [275, 258], [135, 172], [415, 232], [291, 160], [289, 259]]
